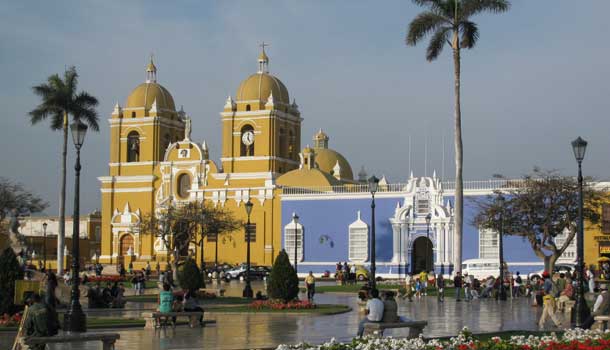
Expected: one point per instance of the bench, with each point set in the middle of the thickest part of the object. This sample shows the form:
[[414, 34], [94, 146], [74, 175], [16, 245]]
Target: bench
[[376, 328], [601, 322], [161, 319], [107, 339]]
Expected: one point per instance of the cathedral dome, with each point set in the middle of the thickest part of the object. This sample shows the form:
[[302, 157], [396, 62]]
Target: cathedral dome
[[327, 160], [145, 94], [262, 84]]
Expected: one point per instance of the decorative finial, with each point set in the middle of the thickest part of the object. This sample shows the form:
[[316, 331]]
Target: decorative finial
[[263, 60], [187, 128], [151, 71]]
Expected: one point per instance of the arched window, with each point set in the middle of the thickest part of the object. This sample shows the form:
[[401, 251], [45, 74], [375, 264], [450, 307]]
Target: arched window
[[183, 185], [133, 114], [247, 108], [126, 243], [133, 147], [247, 150]]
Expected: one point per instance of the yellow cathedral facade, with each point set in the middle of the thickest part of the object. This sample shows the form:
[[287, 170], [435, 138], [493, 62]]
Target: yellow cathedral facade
[[154, 163]]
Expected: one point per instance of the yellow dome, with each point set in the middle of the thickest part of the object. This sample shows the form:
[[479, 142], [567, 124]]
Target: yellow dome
[[307, 178], [146, 93], [259, 86], [326, 159]]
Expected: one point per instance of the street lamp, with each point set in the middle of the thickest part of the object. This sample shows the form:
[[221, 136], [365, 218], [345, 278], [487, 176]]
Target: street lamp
[[295, 218], [428, 219], [248, 289], [44, 243], [75, 320], [373, 186], [581, 309], [502, 294]]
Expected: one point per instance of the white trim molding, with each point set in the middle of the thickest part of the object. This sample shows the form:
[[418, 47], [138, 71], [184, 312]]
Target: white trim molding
[[126, 190]]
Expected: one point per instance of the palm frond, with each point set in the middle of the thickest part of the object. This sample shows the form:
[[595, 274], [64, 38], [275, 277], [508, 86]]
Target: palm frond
[[470, 8], [438, 41], [57, 120], [434, 5], [84, 109], [470, 34], [71, 80], [422, 25]]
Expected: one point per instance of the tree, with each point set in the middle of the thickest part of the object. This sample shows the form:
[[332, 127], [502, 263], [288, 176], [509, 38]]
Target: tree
[[543, 206], [10, 271], [15, 198], [189, 276], [449, 23], [60, 100], [283, 282], [179, 226]]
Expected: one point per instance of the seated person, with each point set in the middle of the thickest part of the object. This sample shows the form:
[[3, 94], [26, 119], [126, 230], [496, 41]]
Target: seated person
[[373, 311], [390, 309], [165, 300], [190, 304], [119, 300]]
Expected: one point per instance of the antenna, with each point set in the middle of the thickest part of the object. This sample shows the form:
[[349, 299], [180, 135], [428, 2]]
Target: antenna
[[409, 153], [426, 155], [443, 161]]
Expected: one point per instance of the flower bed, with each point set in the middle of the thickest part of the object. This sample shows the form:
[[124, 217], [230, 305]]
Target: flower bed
[[278, 305], [102, 279], [10, 321], [574, 339]]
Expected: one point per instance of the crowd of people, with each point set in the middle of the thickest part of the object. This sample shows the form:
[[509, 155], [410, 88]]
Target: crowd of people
[[345, 273]]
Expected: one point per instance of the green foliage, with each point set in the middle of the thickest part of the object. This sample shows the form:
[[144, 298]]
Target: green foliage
[[189, 276], [10, 271], [283, 282], [14, 197]]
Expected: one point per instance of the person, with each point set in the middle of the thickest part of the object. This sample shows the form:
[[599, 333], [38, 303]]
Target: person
[[457, 283], [130, 268], [561, 283], [440, 288], [409, 287], [158, 268], [41, 321], [51, 285], [373, 311], [119, 299], [165, 300], [417, 288], [517, 282], [467, 282], [107, 295], [566, 295], [548, 302], [189, 304], [310, 283], [423, 282], [148, 269], [590, 275], [352, 273], [390, 308], [601, 306]]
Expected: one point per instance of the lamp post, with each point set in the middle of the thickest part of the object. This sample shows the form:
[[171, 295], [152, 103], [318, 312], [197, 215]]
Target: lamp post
[[428, 219], [75, 320], [248, 289], [502, 292], [373, 186], [295, 218], [44, 245], [582, 312]]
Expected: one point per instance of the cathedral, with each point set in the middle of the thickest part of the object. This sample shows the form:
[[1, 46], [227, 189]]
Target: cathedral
[[305, 200]]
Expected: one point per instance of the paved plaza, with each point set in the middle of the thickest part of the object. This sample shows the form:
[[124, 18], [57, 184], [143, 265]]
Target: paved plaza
[[247, 331]]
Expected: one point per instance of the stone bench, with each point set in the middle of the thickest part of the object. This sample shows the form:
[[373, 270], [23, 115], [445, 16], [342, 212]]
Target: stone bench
[[601, 322], [376, 328], [153, 319], [107, 339]]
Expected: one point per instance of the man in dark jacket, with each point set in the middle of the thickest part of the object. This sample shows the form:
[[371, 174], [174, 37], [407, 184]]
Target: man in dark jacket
[[440, 288], [41, 321], [457, 283]]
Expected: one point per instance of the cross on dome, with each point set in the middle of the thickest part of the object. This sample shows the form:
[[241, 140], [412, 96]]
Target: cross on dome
[[263, 60], [151, 71]]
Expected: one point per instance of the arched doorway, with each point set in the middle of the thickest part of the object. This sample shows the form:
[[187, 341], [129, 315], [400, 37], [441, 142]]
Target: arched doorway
[[126, 243], [422, 257]]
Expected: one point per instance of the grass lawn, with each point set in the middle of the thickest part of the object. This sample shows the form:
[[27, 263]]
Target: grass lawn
[[152, 298], [321, 309]]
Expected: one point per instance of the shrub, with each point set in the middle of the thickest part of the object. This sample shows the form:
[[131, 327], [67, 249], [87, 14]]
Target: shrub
[[10, 271], [189, 276], [283, 282]]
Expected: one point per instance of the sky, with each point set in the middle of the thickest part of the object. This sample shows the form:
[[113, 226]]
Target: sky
[[537, 79]]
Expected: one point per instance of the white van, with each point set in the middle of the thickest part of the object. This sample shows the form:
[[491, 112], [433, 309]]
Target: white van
[[482, 268]]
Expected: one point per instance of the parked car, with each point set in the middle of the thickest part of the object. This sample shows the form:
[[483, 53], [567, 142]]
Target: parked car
[[256, 272], [362, 274], [559, 268]]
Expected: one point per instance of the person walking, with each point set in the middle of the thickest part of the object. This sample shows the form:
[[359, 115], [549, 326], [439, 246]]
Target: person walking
[[457, 284], [440, 288], [468, 282], [517, 282], [409, 287], [373, 311], [548, 302], [310, 283], [423, 282]]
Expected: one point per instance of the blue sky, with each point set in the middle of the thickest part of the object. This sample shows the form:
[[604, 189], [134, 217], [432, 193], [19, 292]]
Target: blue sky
[[537, 79]]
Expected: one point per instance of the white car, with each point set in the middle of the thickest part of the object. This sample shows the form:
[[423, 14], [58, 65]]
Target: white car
[[560, 268]]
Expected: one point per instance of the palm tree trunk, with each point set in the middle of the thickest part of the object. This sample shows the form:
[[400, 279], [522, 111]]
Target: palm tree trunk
[[62, 201], [459, 190]]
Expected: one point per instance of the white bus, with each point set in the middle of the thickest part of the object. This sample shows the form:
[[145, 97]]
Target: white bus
[[483, 268]]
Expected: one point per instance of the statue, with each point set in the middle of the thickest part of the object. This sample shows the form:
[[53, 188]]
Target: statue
[[187, 128], [130, 251]]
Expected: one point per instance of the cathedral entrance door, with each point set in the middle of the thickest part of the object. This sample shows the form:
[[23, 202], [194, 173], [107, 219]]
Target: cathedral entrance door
[[421, 256]]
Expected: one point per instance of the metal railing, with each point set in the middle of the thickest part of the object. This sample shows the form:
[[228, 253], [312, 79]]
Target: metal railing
[[477, 185]]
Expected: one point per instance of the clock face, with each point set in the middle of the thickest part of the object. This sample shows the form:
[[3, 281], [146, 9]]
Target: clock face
[[247, 138]]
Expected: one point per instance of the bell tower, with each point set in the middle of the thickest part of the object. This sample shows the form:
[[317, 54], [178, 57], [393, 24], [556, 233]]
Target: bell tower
[[261, 127]]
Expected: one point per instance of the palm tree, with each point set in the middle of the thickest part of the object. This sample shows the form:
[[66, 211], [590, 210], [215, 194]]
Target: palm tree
[[60, 100], [448, 21]]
